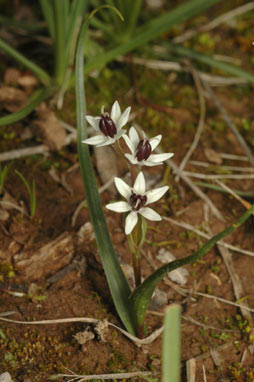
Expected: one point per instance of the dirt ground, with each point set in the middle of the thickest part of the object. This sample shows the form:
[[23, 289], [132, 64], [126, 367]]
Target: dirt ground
[[49, 264]]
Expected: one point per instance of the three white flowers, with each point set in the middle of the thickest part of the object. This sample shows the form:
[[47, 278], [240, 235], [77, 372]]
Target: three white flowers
[[110, 129]]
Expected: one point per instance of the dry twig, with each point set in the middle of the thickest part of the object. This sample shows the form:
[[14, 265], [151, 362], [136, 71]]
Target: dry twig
[[191, 370], [212, 80], [247, 205], [218, 176], [201, 123], [227, 168], [229, 123], [137, 341], [216, 22], [81, 378]]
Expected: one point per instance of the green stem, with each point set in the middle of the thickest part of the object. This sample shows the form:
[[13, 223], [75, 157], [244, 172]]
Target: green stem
[[40, 73], [136, 255], [136, 261], [136, 241]]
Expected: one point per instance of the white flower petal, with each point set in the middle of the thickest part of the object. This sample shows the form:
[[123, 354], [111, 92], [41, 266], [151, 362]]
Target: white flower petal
[[148, 163], [119, 134], [131, 158], [154, 195], [155, 141], [134, 138], [130, 222], [93, 121], [156, 158], [108, 141], [123, 119], [115, 112], [96, 140], [128, 143], [150, 214], [140, 184], [123, 188], [118, 207]]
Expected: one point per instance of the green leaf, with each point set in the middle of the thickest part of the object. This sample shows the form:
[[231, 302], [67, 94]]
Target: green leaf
[[171, 345], [47, 9], [60, 53], [40, 73], [36, 99], [152, 30], [142, 295], [117, 282]]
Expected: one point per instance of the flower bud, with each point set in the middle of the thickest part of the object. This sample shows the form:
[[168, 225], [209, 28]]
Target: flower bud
[[137, 201], [107, 126], [144, 150]]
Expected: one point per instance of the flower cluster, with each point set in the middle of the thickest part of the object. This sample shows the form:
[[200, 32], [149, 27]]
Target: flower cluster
[[110, 129]]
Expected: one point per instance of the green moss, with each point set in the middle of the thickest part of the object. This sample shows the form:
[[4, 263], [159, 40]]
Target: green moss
[[34, 351], [118, 362]]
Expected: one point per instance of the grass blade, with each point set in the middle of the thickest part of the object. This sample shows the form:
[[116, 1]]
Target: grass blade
[[171, 345], [142, 295], [34, 27], [3, 174], [31, 192], [47, 10], [40, 73], [117, 282], [133, 11], [36, 99], [152, 30], [61, 55], [200, 57]]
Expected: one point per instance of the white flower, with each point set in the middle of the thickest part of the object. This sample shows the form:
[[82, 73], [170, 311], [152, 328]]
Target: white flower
[[137, 200], [141, 149], [109, 127]]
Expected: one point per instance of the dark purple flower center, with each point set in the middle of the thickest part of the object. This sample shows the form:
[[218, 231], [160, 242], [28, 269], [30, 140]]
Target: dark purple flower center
[[144, 150], [107, 126], [137, 201]]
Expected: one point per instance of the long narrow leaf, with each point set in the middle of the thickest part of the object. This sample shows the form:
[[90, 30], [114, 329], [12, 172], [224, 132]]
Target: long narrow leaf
[[35, 100], [171, 345], [66, 9], [40, 73], [77, 11], [47, 9], [61, 55], [117, 282], [35, 26], [133, 12], [74, 22], [31, 190], [142, 295], [228, 68], [152, 30]]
